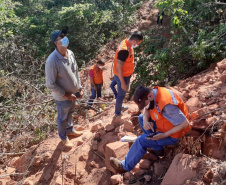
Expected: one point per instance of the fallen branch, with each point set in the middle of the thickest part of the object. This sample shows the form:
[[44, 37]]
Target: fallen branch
[[1, 176], [222, 180], [84, 101], [30, 164], [25, 106], [212, 124], [88, 106], [201, 117], [98, 155], [12, 154], [99, 113], [220, 163], [24, 82]]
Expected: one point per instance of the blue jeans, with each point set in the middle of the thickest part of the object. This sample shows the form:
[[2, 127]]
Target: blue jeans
[[65, 110], [95, 93], [121, 93], [139, 147], [112, 86]]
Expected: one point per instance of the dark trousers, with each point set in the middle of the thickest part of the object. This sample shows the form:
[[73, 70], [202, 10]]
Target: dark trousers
[[95, 93], [159, 14], [112, 86]]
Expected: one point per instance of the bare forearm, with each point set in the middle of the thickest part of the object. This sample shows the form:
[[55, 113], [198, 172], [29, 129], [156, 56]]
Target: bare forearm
[[146, 115], [177, 128], [119, 71], [174, 130], [92, 82]]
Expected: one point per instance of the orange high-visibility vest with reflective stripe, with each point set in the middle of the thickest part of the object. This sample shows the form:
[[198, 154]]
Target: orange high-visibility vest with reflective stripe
[[97, 75], [128, 66], [164, 97]]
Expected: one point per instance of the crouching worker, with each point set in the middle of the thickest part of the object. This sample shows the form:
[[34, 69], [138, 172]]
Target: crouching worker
[[164, 120], [96, 80]]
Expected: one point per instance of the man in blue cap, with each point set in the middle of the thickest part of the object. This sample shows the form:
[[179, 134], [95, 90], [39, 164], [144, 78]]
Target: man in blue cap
[[62, 78]]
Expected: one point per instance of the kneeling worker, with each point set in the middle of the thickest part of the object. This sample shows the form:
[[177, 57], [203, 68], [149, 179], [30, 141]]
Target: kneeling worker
[[164, 120]]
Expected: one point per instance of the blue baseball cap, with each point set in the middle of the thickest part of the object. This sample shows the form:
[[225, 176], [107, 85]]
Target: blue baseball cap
[[55, 34]]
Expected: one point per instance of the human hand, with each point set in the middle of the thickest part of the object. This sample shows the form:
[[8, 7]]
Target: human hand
[[123, 86], [79, 94], [148, 125], [158, 136], [151, 135], [95, 87], [70, 97]]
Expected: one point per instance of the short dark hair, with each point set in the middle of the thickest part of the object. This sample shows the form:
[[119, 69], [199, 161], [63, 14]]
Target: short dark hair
[[136, 36], [101, 62]]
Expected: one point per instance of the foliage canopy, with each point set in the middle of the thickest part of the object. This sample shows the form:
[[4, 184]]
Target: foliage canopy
[[198, 38]]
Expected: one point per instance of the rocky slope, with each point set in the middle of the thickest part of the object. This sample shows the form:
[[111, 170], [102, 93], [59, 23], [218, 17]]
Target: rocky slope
[[88, 161], [197, 159]]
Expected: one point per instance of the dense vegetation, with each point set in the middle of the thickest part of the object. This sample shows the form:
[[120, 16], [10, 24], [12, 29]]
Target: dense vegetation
[[26, 26], [198, 38]]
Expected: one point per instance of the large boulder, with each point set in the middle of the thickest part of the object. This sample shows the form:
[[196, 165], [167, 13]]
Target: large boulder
[[180, 170], [22, 163], [116, 179], [193, 102], [117, 149], [211, 147]]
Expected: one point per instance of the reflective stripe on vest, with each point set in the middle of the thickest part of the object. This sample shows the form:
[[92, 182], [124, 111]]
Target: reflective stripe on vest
[[97, 75], [128, 66], [164, 97]]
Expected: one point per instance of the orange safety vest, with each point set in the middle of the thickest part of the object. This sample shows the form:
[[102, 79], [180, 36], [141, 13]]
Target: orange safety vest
[[98, 75], [128, 66], [164, 97]]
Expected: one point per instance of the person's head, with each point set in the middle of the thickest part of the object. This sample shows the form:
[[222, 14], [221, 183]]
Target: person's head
[[100, 63], [59, 39], [136, 39], [144, 97]]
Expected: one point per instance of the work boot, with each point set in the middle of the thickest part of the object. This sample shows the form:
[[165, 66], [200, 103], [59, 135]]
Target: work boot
[[116, 121], [75, 133], [117, 165], [67, 143]]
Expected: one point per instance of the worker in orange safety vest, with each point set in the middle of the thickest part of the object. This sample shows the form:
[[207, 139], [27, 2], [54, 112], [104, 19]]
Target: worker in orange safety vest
[[164, 121], [123, 69], [96, 80]]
